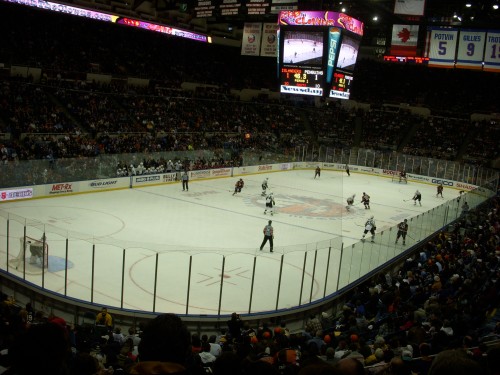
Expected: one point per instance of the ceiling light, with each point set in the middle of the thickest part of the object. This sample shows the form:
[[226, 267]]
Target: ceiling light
[[468, 5], [343, 10], [455, 15], [375, 18], [495, 6]]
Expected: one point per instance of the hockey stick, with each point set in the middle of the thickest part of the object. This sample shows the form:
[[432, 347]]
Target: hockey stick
[[408, 235], [406, 200]]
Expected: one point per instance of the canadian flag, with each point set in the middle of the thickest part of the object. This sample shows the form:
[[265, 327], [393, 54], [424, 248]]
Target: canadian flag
[[404, 40]]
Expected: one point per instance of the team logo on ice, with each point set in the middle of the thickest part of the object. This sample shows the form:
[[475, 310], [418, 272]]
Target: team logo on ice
[[307, 207]]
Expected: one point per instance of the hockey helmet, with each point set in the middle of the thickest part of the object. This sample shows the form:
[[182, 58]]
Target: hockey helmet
[[371, 217], [405, 220], [270, 193]]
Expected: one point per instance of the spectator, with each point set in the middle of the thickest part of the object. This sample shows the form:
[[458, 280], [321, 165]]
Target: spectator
[[104, 319], [164, 347], [234, 326], [454, 362], [41, 349]]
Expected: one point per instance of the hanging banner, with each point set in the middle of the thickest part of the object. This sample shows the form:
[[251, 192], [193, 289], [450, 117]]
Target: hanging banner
[[269, 45], [404, 40], [250, 45], [333, 46], [470, 49], [442, 45], [409, 7], [492, 52]]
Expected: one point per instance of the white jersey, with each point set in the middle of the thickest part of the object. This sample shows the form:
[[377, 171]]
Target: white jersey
[[270, 200], [370, 223]]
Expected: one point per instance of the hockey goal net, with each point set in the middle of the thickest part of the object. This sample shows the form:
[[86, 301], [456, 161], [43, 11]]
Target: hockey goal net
[[33, 256]]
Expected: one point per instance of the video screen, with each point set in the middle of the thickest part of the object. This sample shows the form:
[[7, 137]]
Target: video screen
[[303, 48], [348, 53]]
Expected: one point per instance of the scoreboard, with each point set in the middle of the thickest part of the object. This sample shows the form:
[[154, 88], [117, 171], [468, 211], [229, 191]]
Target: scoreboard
[[317, 52], [302, 80]]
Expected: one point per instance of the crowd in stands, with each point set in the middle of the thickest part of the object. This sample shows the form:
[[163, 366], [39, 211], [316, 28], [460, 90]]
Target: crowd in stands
[[70, 123], [385, 128], [118, 118], [437, 314]]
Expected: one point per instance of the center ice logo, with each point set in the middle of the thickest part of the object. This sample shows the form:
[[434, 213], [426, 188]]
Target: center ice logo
[[308, 207]]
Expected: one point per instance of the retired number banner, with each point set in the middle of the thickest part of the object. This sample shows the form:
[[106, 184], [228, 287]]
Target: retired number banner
[[442, 46], [471, 49]]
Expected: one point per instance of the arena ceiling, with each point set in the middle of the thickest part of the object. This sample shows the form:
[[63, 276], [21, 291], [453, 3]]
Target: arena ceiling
[[480, 14]]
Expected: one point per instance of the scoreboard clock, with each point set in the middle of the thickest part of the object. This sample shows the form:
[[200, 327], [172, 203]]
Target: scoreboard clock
[[341, 86], [302, 80]]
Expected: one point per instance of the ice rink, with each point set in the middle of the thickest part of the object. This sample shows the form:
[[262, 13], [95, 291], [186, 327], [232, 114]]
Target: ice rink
[[124, 230]]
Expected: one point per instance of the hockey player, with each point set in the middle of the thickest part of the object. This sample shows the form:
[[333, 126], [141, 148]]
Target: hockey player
[[317, 172], [417, 197], [140, 168], [369, 227], [132, 171], [402, 230], [270, 203], [238, 186], [350, 202], [365, 199], [264, 186], [170, 166], [347, 170], [402, 176], [439, 191]]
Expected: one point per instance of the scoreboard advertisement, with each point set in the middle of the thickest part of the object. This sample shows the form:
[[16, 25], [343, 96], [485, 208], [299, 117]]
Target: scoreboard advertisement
[[317, 52]]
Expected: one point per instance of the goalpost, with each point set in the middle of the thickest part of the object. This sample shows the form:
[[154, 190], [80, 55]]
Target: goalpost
[[33, 257]]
